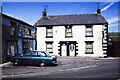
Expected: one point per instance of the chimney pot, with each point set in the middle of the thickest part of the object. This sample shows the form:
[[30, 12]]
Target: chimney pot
[[44, 13]]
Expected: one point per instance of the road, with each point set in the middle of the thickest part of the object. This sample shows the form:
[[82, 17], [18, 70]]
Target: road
[[68, 67]]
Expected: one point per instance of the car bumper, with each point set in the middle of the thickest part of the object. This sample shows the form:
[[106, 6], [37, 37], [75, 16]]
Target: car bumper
[[53, 62]]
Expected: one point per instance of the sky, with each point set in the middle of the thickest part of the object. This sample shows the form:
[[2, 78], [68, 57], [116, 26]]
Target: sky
[[30, 12]]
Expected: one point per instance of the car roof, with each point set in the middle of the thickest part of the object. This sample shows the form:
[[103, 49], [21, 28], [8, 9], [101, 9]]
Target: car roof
[[35, 51]]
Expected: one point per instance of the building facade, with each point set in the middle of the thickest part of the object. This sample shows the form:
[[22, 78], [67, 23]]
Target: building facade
[[17, 37], [73, 35]]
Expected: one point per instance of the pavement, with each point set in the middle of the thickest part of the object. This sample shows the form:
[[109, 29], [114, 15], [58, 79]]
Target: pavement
[[68, 67], [5, 64]]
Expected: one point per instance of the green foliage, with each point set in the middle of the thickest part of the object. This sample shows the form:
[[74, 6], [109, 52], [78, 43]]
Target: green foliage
[[114, 36]]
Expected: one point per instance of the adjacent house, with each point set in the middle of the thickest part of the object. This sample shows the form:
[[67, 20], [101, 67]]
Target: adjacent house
[[17, 37], [72, 35]]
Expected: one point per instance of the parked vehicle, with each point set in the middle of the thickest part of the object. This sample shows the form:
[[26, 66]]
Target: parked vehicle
[[40, 58]]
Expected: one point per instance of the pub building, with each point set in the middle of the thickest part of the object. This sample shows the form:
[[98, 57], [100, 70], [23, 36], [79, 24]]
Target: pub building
[[17, 37]]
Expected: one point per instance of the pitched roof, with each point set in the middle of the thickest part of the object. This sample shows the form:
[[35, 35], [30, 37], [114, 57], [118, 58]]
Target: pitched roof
[[71, 20], [21, 21]]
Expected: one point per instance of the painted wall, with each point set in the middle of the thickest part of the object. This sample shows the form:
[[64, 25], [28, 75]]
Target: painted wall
[[79, 32]]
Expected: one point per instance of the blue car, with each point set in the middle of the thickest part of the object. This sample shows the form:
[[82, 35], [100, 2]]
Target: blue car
[[40, 58]]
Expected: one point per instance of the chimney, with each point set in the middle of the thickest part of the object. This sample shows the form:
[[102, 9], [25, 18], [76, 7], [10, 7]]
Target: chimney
[[99, 11], [44, 13]]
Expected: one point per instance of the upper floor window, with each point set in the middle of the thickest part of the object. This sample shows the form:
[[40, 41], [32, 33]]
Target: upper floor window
[[12, 28], [89, 47], [49, 32], [68, 31], [12, 31], [29, 31], [89, 31]]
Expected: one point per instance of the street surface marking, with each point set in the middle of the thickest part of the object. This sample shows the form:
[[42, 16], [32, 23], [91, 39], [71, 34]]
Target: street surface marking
[[79, 68], [70, 69]]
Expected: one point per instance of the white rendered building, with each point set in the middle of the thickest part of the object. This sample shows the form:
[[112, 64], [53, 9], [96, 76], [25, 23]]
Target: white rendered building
[[73, 35]]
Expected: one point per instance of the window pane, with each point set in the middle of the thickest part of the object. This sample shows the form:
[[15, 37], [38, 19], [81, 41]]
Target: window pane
[[34, 53], [49, 30], [49, 50], [49, 34], [88, 29], [88, 45], [69, 32], [88, 50], [89, 33], [42, 54], [12, 31], [49, 45], [12, 50]]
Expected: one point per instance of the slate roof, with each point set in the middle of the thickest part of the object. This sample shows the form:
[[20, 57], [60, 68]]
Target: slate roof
[[78, 19], [21, 21]]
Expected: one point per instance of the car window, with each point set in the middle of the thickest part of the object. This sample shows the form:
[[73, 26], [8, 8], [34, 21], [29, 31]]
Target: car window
[[34, 54], [42, 54], [27, 54]]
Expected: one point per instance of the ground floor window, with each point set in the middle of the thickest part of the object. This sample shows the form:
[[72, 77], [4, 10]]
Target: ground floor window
[[12, 49], [26, 45], [49, 47], [89, 47]]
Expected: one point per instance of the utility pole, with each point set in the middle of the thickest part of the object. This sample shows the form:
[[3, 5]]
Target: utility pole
[[0, 38], [0, 32]]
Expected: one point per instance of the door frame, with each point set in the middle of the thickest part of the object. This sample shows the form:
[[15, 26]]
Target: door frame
[[67, 43]]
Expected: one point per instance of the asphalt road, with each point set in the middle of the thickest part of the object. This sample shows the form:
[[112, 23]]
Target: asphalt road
[[70, 67]]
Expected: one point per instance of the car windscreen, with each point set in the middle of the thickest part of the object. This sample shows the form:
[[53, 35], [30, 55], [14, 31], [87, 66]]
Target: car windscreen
[[42, 54], [47, 54]]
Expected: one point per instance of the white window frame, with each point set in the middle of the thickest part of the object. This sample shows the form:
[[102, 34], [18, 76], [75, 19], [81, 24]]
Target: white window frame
[[88, 48], [89, 30], [49, 30], [68, 31], [49, 47]]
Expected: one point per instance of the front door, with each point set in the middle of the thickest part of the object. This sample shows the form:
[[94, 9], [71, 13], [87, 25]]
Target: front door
[[64, 50], [72, 50]]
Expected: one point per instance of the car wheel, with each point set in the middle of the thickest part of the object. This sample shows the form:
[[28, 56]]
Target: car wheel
[[42, 64], [15, 63]]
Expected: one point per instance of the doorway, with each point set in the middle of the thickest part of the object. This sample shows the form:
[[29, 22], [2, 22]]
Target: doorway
[[72, 50], [68, 48], [64, 50]]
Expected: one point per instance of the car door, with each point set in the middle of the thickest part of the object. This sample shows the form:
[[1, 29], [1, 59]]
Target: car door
[[35, 58], [25, 59]]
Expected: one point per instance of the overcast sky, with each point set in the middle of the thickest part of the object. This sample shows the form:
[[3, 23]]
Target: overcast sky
[[30, 12]]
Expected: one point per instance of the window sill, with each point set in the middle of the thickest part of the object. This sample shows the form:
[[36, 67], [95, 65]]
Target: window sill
[[49, 37], [51, 52], [68, 36], [89, 53], [88, 36]]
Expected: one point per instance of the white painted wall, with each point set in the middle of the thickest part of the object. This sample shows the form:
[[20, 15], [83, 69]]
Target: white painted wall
[[78, 35]]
